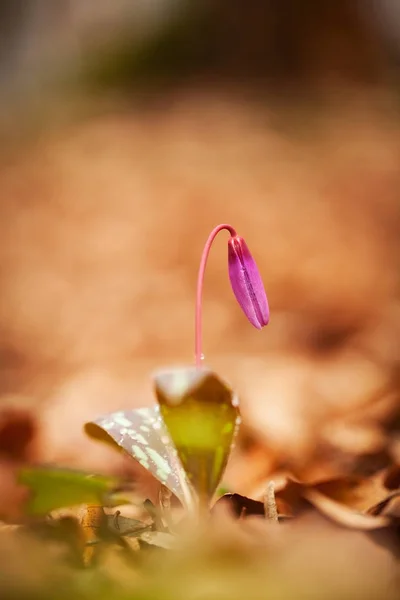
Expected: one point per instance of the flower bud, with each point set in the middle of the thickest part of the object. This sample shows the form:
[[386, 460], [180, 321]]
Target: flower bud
[[246, 282]]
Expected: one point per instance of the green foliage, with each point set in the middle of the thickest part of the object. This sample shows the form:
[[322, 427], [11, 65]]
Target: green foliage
[[201, 415], [185, 442], [53, 488]]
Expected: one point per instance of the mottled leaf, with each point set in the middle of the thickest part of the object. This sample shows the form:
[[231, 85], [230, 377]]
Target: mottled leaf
[[59, 488], [202, 417], [143, 435]]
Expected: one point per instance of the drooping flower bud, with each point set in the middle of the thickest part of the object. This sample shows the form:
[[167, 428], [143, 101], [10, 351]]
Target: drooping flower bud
[[246, 282]]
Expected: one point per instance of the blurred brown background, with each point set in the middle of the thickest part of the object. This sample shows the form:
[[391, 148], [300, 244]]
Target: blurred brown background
[[129, 130]]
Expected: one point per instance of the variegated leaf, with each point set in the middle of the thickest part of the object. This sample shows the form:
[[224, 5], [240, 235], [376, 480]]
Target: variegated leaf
[[143, 435]]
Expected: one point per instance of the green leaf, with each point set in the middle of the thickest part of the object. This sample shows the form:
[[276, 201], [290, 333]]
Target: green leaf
[[60, 488], [202, 416]]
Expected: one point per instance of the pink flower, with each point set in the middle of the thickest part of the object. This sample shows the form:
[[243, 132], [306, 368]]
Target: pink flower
[[246, 282]]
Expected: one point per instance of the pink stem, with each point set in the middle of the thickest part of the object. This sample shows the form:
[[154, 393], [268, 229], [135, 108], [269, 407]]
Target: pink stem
[[198, 343]]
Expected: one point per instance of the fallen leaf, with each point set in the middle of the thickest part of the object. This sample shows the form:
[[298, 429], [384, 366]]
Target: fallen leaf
[[158, 539], [346, 501], [392, 478], [359, 493], [125, 526], [17, 433], [342, 514], [13, 497], [94, 526], [389, 507], [240, 506], [243, 507]]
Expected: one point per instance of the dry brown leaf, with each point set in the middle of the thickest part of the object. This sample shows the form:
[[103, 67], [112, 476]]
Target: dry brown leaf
[[349, 501], [17, 433], [159, 539], [13, 496], [18, 445], [389, 507], [93, 523], [392, 477], [342, 514], [355, 438], [356, 492], [392, 508]]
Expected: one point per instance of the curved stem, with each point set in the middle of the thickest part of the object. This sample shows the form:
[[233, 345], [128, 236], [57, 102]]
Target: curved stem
[[198, 343]]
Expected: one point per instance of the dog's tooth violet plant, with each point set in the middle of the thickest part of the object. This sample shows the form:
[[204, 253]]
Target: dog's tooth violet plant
[[185, 440]]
